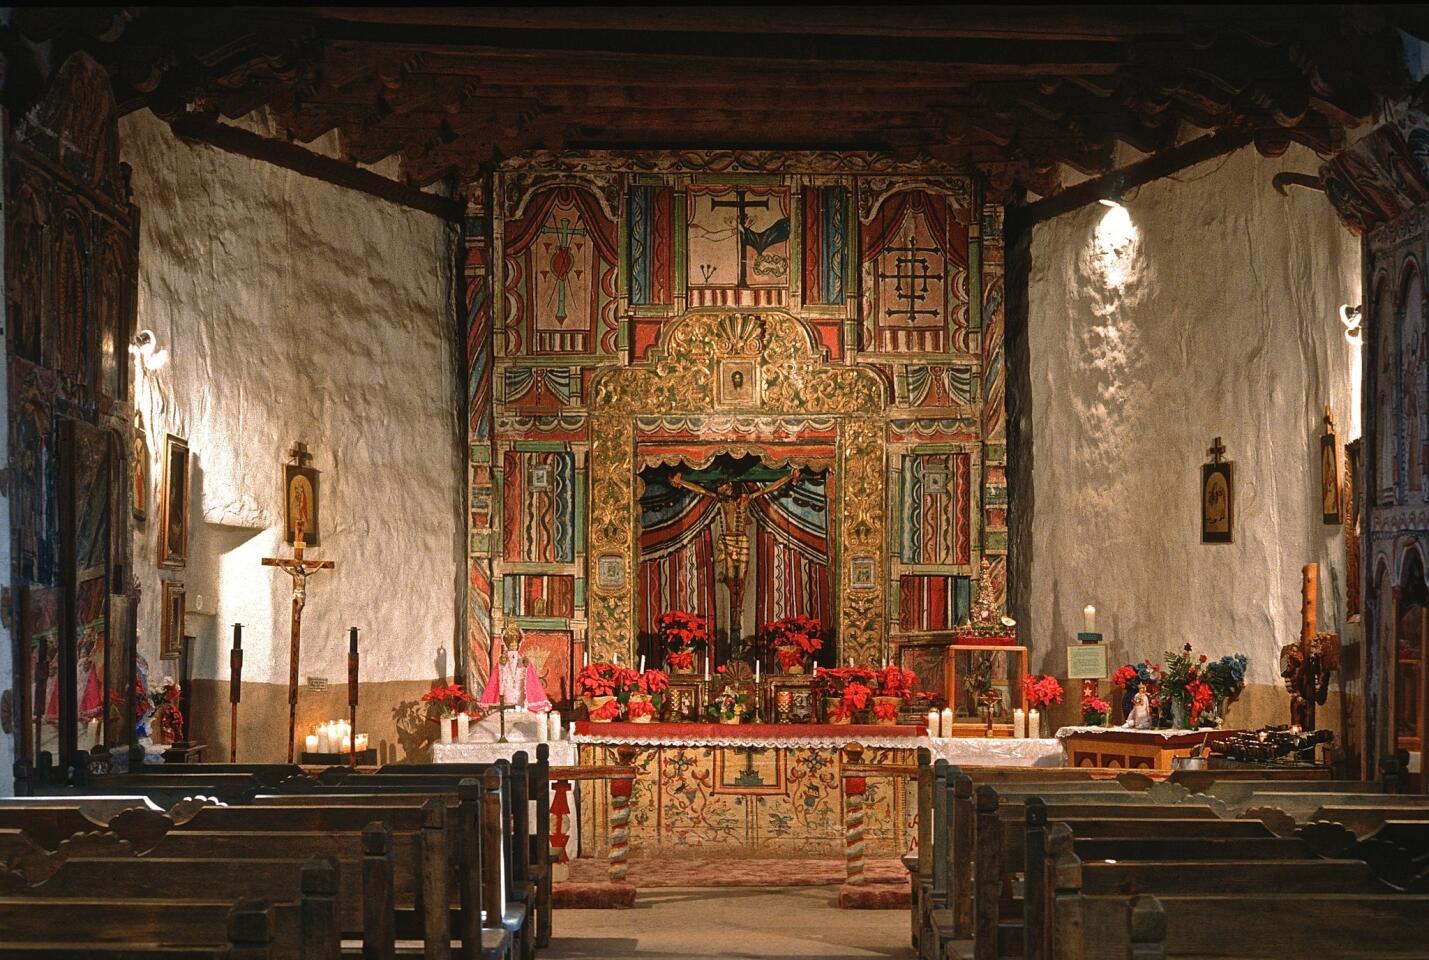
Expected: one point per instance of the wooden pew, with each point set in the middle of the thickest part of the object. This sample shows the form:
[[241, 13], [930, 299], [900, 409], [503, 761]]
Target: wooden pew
[[119, 927]]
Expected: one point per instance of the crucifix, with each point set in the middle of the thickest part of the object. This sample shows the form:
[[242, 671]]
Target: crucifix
[[1217, 450], [299, 569], [1305, 666], [741, 204]]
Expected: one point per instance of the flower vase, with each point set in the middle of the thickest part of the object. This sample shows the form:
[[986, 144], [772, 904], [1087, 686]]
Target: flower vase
[[893, 720], [840, 720], [592, 704], [730, 717], [1180, 715], [830, 704], [647, 718]]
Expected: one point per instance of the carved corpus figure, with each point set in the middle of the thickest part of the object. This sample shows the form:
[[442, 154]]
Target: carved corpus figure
[[732, 547]]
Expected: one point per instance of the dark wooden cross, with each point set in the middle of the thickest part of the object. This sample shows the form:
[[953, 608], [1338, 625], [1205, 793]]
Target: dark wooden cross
[[1217, 450], [299, 454], [299, 569], [741, 204]]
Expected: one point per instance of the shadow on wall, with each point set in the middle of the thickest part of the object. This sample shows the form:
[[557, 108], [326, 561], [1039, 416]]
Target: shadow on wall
[[415, 731]]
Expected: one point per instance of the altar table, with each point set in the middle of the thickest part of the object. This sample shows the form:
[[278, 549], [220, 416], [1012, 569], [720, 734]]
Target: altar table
[[1132, 749], [747, 790], [996, 751]]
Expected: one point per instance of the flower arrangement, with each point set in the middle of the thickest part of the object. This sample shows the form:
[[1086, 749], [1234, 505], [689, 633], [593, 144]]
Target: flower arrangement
[[1188, 691], [728, 706], [1041, 691], [606, 680], [895, 681], [854, 698], [831, 682], [681, 631], [165, 699], [446, 701], [638, 711], [794, 640], [1094, 710], [652, 683], [682, 660]]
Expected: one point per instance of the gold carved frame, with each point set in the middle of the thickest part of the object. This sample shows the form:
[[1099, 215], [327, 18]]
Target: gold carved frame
[[681, 377]]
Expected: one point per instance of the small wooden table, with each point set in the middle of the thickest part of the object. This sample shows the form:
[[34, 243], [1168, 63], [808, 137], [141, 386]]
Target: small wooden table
[[1132, 749], [186, 752]]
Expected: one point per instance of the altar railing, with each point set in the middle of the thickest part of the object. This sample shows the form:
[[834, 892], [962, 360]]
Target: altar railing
[[622, 782], [854, 784]]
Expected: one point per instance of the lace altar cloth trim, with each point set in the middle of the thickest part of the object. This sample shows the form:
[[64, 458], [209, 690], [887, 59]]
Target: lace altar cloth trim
[[1182, 736], [780, 735], [563, 752], [996, 751]]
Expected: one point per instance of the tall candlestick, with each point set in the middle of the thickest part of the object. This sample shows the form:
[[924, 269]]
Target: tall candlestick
[[1089, 619], [238, 636], [553, 725], [351, 639]]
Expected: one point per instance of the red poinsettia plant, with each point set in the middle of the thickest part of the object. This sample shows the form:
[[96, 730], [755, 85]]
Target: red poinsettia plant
[[607, 680], [652, 683], [683, 631], [609, 710], [894, 681], [831, 682], [1094, 710], [1040, 691], [681, 659], [636, 710], [447, 701], [885, 711]]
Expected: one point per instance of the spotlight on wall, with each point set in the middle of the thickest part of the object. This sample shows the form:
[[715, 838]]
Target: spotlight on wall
[[1351, 317], [145, 346], [1114, 191]]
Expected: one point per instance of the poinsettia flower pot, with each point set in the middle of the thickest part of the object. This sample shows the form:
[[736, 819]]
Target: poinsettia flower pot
[[731, 717], [593, 704], [792, 657]]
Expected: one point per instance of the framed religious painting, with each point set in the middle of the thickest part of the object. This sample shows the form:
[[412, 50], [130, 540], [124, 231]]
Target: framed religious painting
[[300, 504], [738, 383], [1217, 497], [139, 472], [174, 504], [926, 655], [610, 572], [863, 573], [1330, 473], [171, 624]]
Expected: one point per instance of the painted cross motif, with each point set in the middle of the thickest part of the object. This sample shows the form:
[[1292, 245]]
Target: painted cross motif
[[911, 276], [562, 261], [741, 204]]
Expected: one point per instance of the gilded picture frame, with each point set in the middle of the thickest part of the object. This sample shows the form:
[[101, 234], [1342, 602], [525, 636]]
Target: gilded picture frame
[[171, 623], [174, 505], [1330, 502]]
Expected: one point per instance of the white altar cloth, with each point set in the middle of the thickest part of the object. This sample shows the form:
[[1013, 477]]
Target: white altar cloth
[[995, 751], [563, 752]]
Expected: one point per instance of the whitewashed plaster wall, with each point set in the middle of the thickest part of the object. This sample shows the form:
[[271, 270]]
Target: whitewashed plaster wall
[[1218, 319], [295, 310]]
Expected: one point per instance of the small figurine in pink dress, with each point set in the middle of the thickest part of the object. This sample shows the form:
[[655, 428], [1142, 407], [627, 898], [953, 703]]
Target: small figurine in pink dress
[[514, 681]]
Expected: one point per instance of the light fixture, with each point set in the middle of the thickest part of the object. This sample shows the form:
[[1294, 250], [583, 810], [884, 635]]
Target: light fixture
[[1351, 318], [1114, 191], [145, 346]]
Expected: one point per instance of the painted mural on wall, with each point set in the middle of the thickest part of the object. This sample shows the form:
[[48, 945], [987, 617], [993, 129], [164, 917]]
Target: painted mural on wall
[[828, 322]]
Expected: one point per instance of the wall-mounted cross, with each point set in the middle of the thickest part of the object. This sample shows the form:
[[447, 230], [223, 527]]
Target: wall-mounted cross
[[1217, 451], [299, 454]]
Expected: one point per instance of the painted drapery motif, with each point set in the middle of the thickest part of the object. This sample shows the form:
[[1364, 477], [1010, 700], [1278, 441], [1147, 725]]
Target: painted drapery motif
[[826, 243], [915, 276], [540, 505], [650, 214], [560, 274], [932, 603]]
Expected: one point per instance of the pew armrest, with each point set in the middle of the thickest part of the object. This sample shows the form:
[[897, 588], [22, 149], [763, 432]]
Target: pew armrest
[[495, 943]]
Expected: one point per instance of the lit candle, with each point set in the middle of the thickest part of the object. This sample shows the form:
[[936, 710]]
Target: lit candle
[[945, 729], [1019, 723], [346, 744], [322, 738], [816, 669], [933, 729], [617, 659], [756, 671], [312, 743], [445, 724], [541, 728], [1034, 724], [708, 658], [1089, 619], [585, 658], [850, 661], [361, 742], [463, 725], [642, 663]]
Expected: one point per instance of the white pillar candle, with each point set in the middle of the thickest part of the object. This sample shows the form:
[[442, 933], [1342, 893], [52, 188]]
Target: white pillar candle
[[1019, 723], [642, 663], [617, 659], [585, 658], [361, 742], [445, 724], [708, 658], [463, 724], [540, 728], [945, 728], [312, 743], [346, 744], [757, 666], [553, 725], [1089, 619], [322, 738], [933, 729], [1034, 724]]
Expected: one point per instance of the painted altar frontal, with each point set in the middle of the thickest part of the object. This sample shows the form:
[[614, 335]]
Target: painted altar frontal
[[753, 790]]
